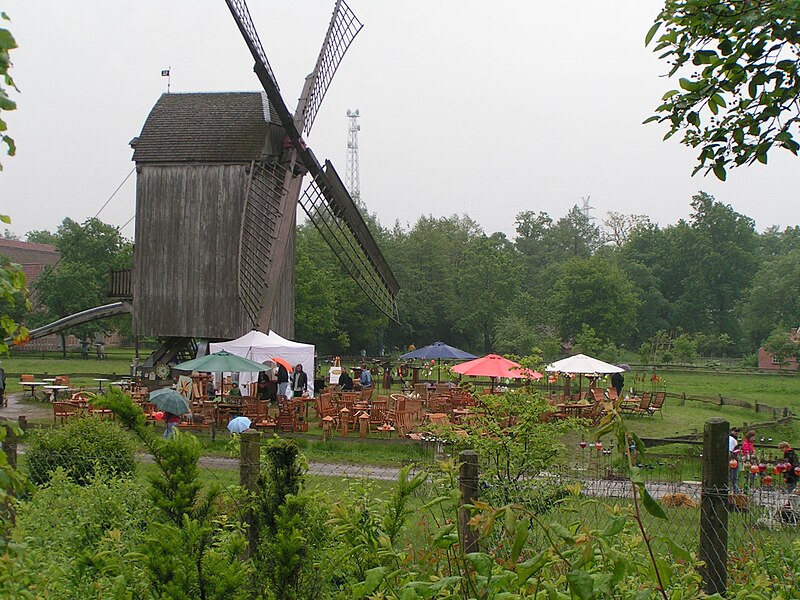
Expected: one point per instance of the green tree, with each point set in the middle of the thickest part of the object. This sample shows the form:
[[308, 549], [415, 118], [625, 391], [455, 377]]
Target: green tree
[[685, 348], [427, 260], [594, 292], [739, 82], [782, 346], [723, 252], [485, 285], [773, 298], [89, 252]]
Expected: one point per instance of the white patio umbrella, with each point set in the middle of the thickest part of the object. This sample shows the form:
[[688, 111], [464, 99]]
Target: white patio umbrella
[[581, 364]]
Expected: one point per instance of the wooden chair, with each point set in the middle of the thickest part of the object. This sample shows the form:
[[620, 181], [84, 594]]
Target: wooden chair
[[365, 395], [657, 404], [285, 422], [65, 410], [598, 395], [26, 378], [325, 407], [348, 400], [644, 405], [421, 390], [438, 419], [594, 412], [612, 394], [378, 412]]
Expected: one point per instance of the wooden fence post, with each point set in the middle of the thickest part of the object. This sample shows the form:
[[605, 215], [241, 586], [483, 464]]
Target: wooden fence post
[[714, 506], [249, 470], [468, 483]]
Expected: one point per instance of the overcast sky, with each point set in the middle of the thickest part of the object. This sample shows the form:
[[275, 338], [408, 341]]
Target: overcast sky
[[484, 108]]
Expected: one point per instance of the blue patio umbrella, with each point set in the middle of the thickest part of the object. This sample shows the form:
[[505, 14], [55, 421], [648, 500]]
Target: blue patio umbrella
[[438, 351]]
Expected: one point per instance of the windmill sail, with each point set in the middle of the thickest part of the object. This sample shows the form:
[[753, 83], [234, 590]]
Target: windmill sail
[[342, 30], [333, 212], [326, 201]]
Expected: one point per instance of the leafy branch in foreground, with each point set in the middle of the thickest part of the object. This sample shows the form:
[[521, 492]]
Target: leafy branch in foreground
[[7, 43], [738, 64]]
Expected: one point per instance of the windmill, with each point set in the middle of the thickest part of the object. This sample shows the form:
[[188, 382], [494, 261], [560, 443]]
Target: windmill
[[325, 200], [219, 178]]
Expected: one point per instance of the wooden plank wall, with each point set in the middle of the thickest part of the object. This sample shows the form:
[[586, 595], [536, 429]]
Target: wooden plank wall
[[188, 221]]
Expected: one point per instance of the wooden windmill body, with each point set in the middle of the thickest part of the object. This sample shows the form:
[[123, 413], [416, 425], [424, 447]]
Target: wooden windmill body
[[219, 180]]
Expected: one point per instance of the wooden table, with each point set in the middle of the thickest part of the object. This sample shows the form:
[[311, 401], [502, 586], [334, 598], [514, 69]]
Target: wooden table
[[33, 385], [55, 389]]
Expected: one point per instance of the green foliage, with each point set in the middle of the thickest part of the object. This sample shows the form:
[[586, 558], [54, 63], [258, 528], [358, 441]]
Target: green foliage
[[83, 447], [739, 84], [82, 541], [192, 550], [782, 346], [89, 252], [774, 297], [12, 483], [511, 440], [7, 43], [685, 348], [597, 293], [290, 557], [283, 476]]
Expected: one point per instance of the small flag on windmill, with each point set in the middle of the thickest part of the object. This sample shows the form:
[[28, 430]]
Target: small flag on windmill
[[165, 72]]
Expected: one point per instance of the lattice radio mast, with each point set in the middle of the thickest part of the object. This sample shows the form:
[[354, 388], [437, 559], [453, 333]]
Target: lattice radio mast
[[351, 178], [586, 208]]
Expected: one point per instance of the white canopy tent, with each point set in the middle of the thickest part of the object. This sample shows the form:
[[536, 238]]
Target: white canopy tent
[[258, 346]]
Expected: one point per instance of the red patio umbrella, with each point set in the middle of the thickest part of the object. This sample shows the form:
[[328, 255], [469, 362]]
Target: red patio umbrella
[[494, 366]]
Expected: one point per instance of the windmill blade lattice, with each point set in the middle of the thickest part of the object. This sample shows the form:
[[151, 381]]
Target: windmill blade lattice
[[338, 234], [241, 14], [263, 209], [342, 30]]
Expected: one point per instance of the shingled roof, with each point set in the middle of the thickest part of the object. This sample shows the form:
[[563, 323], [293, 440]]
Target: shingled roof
[[227, 127]]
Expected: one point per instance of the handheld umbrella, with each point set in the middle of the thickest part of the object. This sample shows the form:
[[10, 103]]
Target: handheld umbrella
[[170, 401]]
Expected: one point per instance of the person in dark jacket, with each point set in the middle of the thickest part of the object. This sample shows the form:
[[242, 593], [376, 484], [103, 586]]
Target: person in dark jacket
[[299, 381], [283, 381], [345, 381], [617, 382]]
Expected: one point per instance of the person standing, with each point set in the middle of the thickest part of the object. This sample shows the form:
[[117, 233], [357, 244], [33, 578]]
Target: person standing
[[262, 387], [749, 455], [366, 377], [789, 457], [299, 381], [734, 454], [172, 421], [283, 381], [618, 382]]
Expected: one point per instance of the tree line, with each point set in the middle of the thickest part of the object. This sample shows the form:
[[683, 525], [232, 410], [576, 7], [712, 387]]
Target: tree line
[[709, 284]]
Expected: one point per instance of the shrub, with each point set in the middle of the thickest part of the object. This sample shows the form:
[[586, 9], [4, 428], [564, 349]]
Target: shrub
[[82, 447], [78, 539]]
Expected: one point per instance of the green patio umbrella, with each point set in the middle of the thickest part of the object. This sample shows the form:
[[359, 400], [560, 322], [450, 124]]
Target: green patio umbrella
[[170, 401], [222, 362]]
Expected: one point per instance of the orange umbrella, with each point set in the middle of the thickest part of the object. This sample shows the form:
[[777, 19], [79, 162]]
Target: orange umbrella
[[494, 365], [283, 361]]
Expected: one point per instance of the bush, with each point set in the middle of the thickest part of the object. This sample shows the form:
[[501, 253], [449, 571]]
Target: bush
[[78, 539], [82, 447]]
